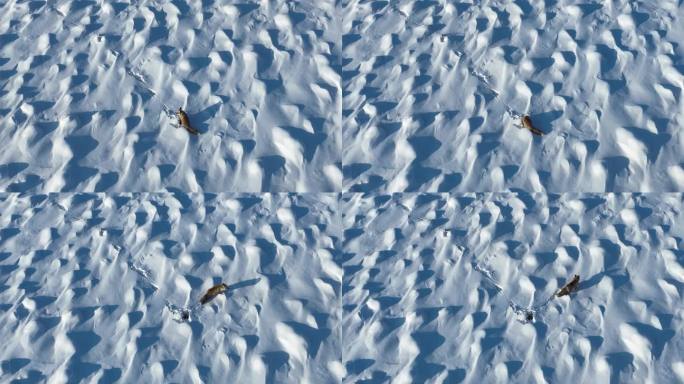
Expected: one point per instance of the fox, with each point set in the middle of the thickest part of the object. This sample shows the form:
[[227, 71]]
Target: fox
[[569, 287], [527, 123], [184, 121], [213, 292]]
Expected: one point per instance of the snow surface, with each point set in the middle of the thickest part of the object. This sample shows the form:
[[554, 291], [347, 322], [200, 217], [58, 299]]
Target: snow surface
[[89, 89], [437, 288], [374, 132], [91, 286], [331, 288], [433, 92]]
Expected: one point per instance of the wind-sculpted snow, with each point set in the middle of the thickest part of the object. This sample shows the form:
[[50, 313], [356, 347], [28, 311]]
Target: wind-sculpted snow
[[434, 91], [342, 288], [91, 288], [354, 191], [89, 88], [449, 289]]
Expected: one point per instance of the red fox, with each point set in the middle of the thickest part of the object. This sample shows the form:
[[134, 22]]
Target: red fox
[[184, 121], [569, 287], [213, 292], [527, 123]]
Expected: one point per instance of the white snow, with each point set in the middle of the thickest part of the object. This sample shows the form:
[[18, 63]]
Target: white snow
[[92, 288], [434, 91], [362, 182], [445, 297], [89, 89]]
